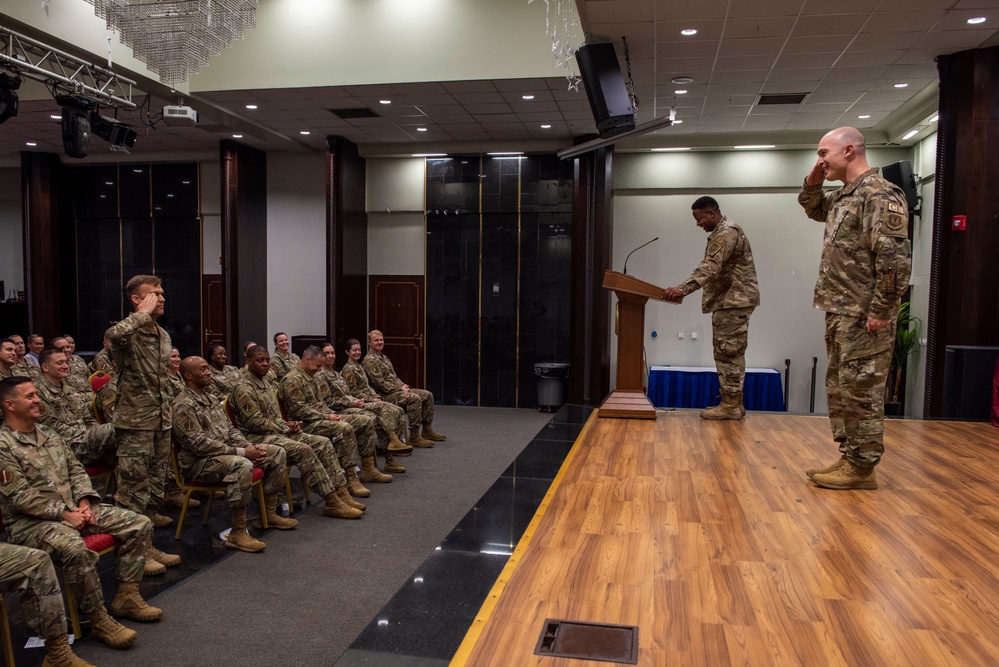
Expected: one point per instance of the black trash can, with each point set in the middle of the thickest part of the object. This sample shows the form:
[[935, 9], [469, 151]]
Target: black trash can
[[552, 385]]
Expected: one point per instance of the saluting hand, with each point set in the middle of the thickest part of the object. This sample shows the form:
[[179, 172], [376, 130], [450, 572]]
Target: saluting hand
[[148, 304], [817, 176]]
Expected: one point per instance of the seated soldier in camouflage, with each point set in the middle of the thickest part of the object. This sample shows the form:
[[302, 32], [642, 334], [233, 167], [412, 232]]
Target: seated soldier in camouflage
[[212, 450], [254, 405], [418, 403], [224, 376], [390, 416], [68, 412], [47, 503], [102, 360], [30, 572], [283, 360], [21, 365], [78, 378], [299, 393], [336, 394], [8, 356], [172, 495]]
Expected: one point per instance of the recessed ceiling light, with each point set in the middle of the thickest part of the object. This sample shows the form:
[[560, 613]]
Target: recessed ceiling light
[[251, 107], [429, 154], [687, 32], [669, 150], [421, 129], [305, 132], [680, 91], [237, 136], [384, 101], [754, 147], [977, 20], [55, 117], [546, 126], [31, 143], [506, 153], [910, 134], [901, 85], [934, 118], [527, 97], [864, 116], [683, 80], [677, 121]]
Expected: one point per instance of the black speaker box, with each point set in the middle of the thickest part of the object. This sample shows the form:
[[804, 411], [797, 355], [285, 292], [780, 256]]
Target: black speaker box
[[609, 99], [75, 131], [968, 373], [900, 173]]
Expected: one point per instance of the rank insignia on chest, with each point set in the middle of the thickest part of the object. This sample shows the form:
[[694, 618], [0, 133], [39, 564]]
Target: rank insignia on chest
[[5, 477]]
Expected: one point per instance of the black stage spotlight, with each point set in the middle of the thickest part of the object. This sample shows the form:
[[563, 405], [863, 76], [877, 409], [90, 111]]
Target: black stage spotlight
[[8, 98], [75, 124], [119, 135]]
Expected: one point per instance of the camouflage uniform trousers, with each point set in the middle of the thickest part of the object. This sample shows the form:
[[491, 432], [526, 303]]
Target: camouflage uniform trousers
[[143, 458], [313, 455], [855, 385], [29, 572], [340, 434], [363, 424], [237, 473], [97, 446], [390, 418], [65, 545], [418, 404], [729, 337]]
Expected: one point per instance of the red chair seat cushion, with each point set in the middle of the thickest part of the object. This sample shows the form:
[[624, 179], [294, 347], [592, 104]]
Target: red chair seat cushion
[[99, 469], [98, 541], [258, 474]]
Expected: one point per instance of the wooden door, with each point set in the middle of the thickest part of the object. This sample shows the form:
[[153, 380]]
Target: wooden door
[[396, 309], [212, 313]]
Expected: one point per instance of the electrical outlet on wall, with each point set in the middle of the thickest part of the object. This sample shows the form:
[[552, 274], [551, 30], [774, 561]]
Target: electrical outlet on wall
[[679, 335]]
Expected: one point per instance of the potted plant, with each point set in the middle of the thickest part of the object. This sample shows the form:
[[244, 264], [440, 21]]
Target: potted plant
[[906, 339]]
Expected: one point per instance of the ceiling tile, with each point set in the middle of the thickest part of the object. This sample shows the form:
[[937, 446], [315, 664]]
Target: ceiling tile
[[773, 25], [806, 60], [828, 44], [883, 41], [828, 27], [750, 47], [766, 8], [903, 21], [733, 63]]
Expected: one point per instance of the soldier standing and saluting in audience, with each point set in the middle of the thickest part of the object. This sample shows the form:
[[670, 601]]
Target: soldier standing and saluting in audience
[[863, 273]]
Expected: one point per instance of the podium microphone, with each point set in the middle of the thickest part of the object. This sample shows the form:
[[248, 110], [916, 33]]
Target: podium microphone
[[625, 272]]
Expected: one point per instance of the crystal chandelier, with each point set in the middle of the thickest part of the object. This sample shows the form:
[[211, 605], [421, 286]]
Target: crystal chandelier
[[175, 38]]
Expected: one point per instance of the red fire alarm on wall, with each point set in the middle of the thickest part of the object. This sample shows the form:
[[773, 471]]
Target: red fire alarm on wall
[[959, 223]]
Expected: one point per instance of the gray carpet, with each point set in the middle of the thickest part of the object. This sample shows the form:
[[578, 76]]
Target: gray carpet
[[305, 599]]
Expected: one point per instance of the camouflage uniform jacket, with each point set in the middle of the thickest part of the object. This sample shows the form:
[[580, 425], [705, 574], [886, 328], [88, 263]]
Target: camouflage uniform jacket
[[301, 396], [727, 273], [141, 351], [79, 378], [6, 373], [107, 398], [101, 362], [39, 480], [254, 405], [201, 429], [65, 411], [337, 394], [282, 364], [24, 369], [357, 381], [381, 373], [176, 384], [225, 379], [866, 257]]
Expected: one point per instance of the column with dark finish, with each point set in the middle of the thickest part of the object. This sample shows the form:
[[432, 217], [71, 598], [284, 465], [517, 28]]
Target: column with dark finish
[[346, 243], [592, 229], [49, 275], [964, 279], [244, 243]]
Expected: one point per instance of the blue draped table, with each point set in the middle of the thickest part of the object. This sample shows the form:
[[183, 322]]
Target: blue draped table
[[697, 387]]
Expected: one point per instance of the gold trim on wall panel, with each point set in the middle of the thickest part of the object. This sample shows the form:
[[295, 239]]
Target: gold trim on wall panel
[[516, 354], [478, 323], [121, 271]]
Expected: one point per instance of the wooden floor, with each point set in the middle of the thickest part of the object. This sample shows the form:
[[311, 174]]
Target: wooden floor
[[708, 536]]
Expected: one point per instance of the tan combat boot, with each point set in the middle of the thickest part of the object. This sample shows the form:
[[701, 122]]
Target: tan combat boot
[[152, 567], [275, 520], [174, 497], [129, 603], [110, 631], [344, 494], [354, 485], [335, 507], [161, 521], [371, 474], [59, 654], [238, 537], [729, 408], [430, 434], [848, 476], [391, 465], [812, 472], [416, 441], [162, 557], [397, 446]]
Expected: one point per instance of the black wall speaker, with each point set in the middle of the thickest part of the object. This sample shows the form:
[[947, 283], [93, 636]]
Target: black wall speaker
[[968, 373], [900, 173], [605, 89], [75, 131]]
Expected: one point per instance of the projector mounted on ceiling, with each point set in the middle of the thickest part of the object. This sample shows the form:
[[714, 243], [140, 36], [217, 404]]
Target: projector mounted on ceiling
[[179, 115]]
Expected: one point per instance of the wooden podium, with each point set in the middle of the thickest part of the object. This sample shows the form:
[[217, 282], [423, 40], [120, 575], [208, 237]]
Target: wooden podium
[[627, 400]]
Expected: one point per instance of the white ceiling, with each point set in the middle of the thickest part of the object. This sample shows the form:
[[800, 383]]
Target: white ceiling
[[846, 56]]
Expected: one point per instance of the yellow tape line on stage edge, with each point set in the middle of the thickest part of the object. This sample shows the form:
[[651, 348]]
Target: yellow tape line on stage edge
[[485, 611]]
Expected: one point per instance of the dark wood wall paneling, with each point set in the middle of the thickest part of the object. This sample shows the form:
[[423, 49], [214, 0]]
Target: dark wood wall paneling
[[244, 244], [964, 300], [347, 243]]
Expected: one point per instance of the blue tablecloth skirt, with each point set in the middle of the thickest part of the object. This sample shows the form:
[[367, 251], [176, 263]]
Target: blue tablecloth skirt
[[697, 387]]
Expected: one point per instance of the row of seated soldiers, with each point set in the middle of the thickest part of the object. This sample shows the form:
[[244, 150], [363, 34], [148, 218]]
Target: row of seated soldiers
[[333, 422]]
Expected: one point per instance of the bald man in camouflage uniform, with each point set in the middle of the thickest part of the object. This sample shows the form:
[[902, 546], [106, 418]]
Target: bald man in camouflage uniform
[[391, 418], [29, 572], [47, 503], [299, 392], [68, 413], [212, 450], [254, 405], [727, 274], [418, 403], [863, 273]]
